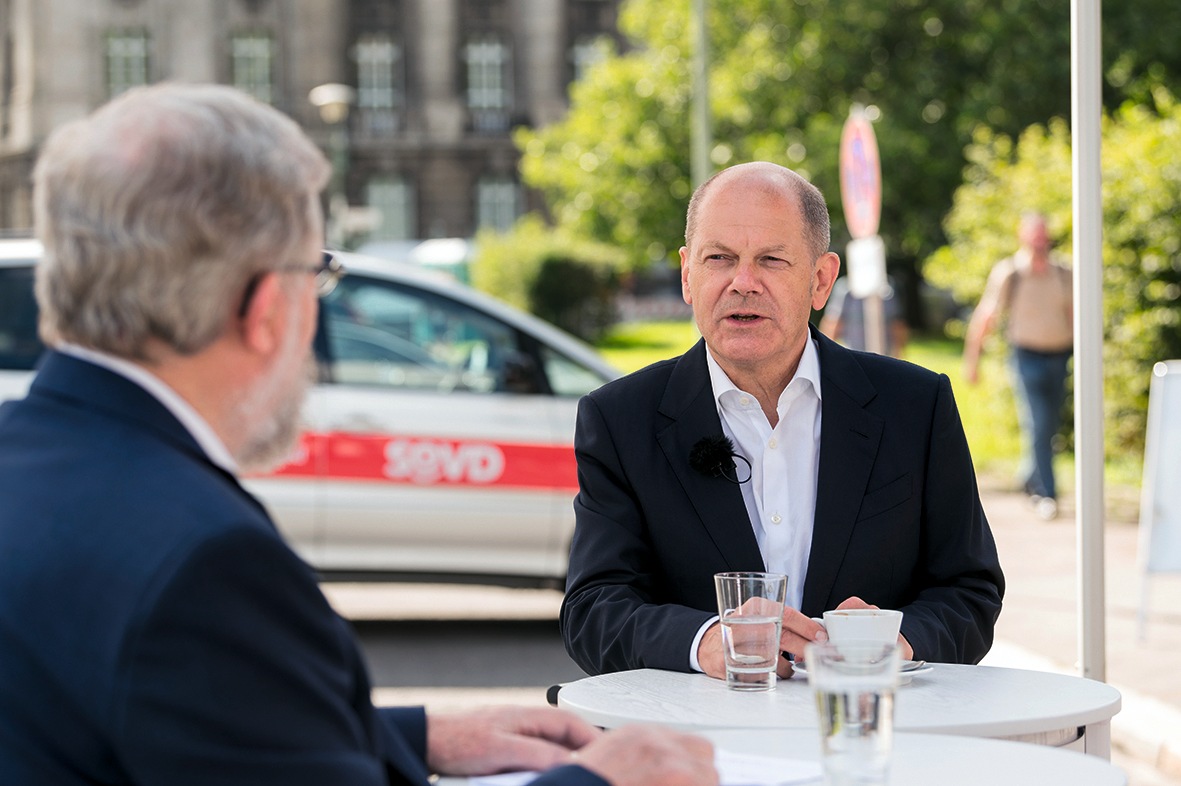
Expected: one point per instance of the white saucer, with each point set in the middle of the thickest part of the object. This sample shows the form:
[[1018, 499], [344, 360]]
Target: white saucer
[[906, 670]]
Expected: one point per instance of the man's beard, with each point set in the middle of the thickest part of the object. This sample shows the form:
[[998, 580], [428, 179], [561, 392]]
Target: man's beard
[[269, 413]]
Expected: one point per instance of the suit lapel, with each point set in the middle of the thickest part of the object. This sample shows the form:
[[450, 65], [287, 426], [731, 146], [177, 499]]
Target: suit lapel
[[692, 413], [849, 439]]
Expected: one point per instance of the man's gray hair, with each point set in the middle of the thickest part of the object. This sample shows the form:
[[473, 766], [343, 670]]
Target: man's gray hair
[[157, 209], [813, 208]]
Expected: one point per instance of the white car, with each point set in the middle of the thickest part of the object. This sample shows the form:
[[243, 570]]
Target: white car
[[438, 443]]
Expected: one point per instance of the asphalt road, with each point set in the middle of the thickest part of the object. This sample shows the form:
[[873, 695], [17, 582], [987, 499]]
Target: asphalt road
[[465, 653], [457, 646]]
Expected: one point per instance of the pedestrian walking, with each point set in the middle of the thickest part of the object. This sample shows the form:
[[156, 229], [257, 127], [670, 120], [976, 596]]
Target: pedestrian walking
[[1033, 291]]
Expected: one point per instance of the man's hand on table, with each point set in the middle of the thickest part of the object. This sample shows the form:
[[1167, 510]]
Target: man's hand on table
[[507, 739], [797, 631], [503, 739], [644, 755]]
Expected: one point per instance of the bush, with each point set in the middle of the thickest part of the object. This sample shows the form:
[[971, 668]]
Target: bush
[[1141, 239], [571, 283], [575, 295]]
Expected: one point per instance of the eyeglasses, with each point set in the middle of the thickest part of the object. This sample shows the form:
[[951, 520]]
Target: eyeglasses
[[328, 274]]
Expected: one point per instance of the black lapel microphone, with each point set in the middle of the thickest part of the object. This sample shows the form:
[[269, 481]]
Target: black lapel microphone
[[714, 457]]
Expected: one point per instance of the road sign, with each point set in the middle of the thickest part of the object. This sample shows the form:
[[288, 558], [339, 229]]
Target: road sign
[[861, 176]]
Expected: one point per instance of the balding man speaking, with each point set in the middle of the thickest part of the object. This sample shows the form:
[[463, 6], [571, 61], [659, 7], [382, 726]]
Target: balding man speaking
[[852, 473]]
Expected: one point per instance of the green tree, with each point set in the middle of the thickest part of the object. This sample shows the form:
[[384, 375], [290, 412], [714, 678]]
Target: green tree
[[783, 77], [1141, 238]]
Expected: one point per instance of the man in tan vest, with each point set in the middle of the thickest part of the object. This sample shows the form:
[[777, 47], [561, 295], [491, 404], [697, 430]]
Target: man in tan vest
[[1034, 289]]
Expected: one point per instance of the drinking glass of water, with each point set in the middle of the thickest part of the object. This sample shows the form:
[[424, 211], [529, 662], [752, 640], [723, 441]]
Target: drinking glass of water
[[854, 684], [751, 609]]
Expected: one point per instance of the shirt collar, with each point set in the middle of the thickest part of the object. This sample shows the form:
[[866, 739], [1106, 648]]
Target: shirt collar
[[808, 371], [192, 421], [809, 368]]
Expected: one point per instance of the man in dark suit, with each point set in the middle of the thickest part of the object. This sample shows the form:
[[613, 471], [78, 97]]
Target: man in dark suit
[[154, 627], [852, 473]]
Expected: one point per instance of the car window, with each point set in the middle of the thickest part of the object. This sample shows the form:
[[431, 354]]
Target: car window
[[567, 377], [381, 333], [19, 345]]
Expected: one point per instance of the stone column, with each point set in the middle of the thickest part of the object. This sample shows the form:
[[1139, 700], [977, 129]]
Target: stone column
[[540, 57], [443, 110]]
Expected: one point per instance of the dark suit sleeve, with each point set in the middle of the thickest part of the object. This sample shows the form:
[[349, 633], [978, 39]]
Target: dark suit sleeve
[[959, 579], [613, 616], [407, 725], [238, 672]]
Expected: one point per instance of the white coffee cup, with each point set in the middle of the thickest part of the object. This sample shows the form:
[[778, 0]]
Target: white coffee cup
[[878, 625]]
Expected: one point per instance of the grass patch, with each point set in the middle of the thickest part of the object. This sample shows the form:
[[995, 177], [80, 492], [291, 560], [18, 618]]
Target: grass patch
[[986, 408], [629, 347]]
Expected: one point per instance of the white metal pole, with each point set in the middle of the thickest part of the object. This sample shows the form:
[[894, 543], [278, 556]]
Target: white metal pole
[[874, 318], [1086, 112], [700, 129]]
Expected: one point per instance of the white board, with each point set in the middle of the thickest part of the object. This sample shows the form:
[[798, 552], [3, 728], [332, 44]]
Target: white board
[[1160, 493]]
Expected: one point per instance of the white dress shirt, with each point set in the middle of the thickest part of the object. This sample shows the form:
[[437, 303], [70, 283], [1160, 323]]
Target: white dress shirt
[[781, 494], [196, 425]]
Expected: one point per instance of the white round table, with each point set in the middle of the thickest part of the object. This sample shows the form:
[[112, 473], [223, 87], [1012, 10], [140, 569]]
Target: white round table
[[938, 760], [931, 760], [979, 701]]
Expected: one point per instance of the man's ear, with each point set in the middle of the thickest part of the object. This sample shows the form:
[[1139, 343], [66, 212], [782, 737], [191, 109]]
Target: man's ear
[[823, 278], [261, 327], [685, 293]]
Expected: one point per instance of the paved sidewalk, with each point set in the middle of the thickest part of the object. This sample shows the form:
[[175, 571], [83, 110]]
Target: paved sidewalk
[[1039, 627]]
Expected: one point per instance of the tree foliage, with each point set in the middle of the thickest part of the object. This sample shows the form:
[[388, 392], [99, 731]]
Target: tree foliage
[[1141, 237], [783, 76]]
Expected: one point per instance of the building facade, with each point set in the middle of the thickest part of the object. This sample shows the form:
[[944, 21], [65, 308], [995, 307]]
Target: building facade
[[436, 87]]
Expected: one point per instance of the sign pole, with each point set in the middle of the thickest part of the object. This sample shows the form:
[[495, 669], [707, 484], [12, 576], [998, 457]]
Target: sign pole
[[701, 130], [861, 197]]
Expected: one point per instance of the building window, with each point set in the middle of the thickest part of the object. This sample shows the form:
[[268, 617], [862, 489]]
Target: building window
[[378, 73], [379, 85], [392, 199], [497, 203], [127, 60], [489, 83], [252, 65]]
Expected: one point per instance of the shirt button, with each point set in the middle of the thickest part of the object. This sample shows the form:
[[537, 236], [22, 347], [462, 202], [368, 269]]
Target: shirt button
[[744, 401], [774, 443], [776, 519]]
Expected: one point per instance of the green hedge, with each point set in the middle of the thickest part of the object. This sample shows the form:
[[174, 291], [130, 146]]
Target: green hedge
[[569, 282]]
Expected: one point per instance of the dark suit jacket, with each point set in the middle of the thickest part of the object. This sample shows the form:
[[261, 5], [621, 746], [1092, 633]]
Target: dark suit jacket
[[898, 517], [154, 627]]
